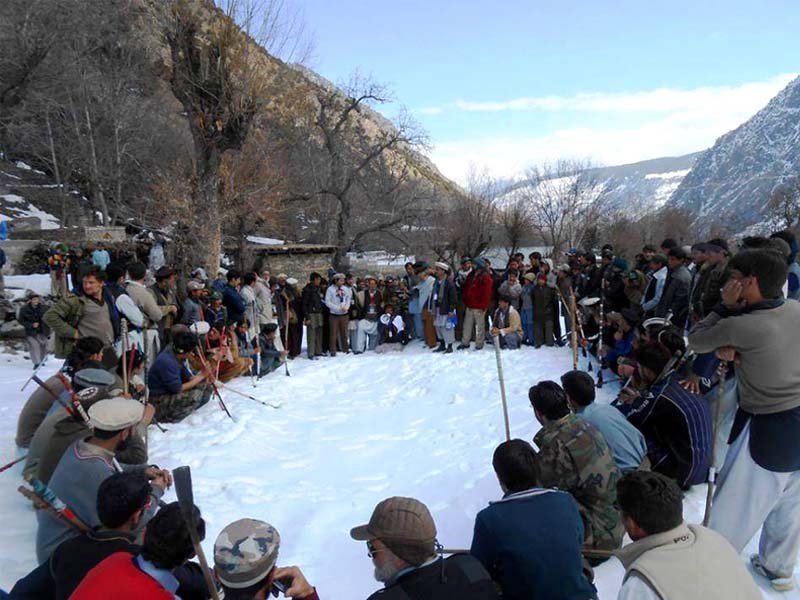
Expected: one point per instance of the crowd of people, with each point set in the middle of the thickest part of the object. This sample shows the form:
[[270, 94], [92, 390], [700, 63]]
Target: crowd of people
[[702, 340]]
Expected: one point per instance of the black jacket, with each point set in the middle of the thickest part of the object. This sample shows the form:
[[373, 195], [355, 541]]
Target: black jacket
[[312, 301], [28, 315], [376, 303], [446, 296], [459, 577], [58, 577]]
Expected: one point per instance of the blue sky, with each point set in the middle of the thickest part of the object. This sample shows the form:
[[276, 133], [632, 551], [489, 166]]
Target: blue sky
[[508, 84]]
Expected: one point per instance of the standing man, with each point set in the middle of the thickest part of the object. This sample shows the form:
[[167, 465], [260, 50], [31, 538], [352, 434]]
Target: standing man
[[164, 291], [36, 332], [477, 299], [88, 315], [154, 314], [759, 485], [370, 308], [232, 299], [675, 298], [444, 308], [312, 309], [338, 299], [100, 257]]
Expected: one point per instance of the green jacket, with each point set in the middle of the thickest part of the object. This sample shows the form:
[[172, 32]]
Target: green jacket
[[574, 457]]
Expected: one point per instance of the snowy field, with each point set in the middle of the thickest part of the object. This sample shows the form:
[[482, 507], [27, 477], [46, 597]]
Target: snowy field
[[351, 431]]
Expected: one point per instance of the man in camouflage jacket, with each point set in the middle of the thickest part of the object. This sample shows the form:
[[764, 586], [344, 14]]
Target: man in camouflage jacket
[[574, 457]]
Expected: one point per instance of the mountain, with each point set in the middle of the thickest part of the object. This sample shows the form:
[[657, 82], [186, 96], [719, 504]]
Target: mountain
[[732, 181], [643, 187]]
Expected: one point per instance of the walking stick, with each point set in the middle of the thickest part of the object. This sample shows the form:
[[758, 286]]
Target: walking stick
[[257, 362], [213, 385], [123, 326], [600, 338], [286, 348], [183, 488], [712, 471], [35, 372], [7, 466], [248, 396], [573, 319], [502, 385], [587, 552]]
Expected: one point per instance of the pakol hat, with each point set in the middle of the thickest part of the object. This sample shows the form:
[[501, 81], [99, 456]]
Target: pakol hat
[[193, 285], [368, 277], [480, 263], [245, 552], [31, 294], [529, 277], [465, 259], [164, 272], [115, 414], [281, 276], [620, 263], [589, 301], [292, 281], [86, 378], [405, 525], [339, 276], [443, 266]]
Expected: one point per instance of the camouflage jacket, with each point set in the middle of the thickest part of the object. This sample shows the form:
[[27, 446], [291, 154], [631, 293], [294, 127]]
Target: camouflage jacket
[[574, 457]]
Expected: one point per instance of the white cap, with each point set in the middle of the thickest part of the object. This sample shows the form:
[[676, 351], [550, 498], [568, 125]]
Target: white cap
[[291, 281], [443, 266], [115, 414]]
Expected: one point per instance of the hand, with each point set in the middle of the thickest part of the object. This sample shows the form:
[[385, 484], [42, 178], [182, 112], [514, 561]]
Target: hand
[[618, 335], [173, 309], [35, 325], [257, 350], [160, 477], [149, 413], [727, 354], [628, 395], [691, 384], [495, 331], [625, 370], [732, 293], [299, 588]]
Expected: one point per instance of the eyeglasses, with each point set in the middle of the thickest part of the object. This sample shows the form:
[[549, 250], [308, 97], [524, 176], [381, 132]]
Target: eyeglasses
[[372, 550]]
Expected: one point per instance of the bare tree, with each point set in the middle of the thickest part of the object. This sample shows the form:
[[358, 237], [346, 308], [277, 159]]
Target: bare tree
[[516, 219], [359, 180], [784, 202], [563, 202]]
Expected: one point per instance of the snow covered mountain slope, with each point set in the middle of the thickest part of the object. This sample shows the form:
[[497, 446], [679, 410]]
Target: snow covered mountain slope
[[732, 181]]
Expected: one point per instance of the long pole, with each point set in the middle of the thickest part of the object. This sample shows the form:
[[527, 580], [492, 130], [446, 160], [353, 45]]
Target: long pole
[[286, 343], [35, 372], [124, 334], [213, 385], [600, 336], [712, 470], [248, 396], [573, 330], [502, 385], [7, 466]]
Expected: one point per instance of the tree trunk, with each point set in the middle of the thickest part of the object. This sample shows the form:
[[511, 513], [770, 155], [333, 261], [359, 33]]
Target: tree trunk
[[56, 170], [205, 243], [342, 222], [96, 185]]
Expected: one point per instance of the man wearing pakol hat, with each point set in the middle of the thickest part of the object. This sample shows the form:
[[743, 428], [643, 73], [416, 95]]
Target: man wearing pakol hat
[[338, 298], [193, 309], [444, 301], [477, 294], [245, 563], [655, 284], [401, 541], [36, 331], [716, 265], [146, 302], [370, 308], [86, 464], [164, 291], [614, 285], [174, 391], [675, 298]]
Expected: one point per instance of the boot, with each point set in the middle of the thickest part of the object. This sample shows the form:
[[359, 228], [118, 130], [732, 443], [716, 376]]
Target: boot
[[449, 349], [441, 347], [463, 347]]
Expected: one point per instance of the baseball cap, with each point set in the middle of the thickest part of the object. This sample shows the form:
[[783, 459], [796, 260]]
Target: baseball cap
[[245, 552], [405, 525]]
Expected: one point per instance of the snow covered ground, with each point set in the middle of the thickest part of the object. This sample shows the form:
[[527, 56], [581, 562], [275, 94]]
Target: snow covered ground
[[351, 431]]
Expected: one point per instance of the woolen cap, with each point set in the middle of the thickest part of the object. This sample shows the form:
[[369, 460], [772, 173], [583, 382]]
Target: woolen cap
[[193, 285], [405, 525], [93, 378], [443, 266], [245, 552], [115, 414], [164, 272]]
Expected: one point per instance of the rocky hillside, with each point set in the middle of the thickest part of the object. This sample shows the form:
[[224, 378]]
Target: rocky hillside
[[732, 181]]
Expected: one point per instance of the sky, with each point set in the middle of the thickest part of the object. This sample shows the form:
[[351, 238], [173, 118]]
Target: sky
[[505, 85]]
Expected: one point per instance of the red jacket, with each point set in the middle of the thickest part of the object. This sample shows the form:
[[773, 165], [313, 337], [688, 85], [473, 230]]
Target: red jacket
[[118, 578], [478, 291]]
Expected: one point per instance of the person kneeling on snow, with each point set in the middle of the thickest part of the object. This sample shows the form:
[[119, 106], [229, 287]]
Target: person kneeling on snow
[[271, 357], [401, 541], [391, 328], [506, 324], [530, 541], [668, 558], [245, 556], [151, 574], [173, 390]]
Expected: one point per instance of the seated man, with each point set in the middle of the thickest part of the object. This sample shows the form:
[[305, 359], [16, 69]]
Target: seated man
[[271, 358], [121, 502], [86, 464], [574, 457], [173, 390], [222, 355], [152, 573], [675, 422], [668, 558], [626, 442], [506, 324], [401, 540], [391, 328], [245, 554], [530, 541]]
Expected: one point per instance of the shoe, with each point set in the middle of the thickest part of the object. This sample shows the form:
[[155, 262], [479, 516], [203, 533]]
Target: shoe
[[441, 347], [449, 349], [463, 347], [778, 583], [478, 347]]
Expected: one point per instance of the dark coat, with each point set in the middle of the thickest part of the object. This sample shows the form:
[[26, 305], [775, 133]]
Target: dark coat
[[363, 308], [615, 296], [446, 295], [530, 542], [234, 302], [459, 577], [676, 296], [28, 315], [544, 302], [312, 300]]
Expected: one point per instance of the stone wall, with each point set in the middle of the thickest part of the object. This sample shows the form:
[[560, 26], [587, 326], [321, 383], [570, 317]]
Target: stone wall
[[299, 266], [72, 235]]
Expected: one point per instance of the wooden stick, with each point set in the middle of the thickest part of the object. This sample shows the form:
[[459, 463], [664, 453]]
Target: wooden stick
[[587, 552], [502, 385], [712, 471]]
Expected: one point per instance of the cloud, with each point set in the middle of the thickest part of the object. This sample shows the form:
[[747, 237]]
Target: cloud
[[668, 123]]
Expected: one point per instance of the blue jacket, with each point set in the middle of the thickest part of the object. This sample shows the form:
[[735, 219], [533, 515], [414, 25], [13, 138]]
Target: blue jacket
[[627, 443], [167, 374], [530, 542], [234, 302]]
